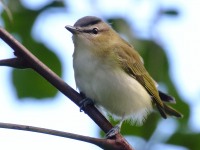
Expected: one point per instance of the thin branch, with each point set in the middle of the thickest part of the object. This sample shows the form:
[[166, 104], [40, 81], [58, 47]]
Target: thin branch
[[103, 143], [45, 131], [48, 131], [26, 56], [14, 62]]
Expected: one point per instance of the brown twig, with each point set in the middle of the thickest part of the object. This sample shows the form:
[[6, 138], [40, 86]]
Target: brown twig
[[24, 56], [103, 143], [14, 62]]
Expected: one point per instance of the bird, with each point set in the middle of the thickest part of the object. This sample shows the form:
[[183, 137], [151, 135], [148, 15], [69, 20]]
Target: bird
[[111, 74]]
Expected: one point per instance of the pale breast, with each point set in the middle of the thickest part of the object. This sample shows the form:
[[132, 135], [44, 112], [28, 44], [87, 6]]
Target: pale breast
[[111, 88]]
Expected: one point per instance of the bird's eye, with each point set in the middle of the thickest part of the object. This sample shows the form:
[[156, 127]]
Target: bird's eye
[[95, 30]]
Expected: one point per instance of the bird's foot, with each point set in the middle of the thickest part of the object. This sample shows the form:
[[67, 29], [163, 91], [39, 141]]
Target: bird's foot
[[84, 102], [115, 130]]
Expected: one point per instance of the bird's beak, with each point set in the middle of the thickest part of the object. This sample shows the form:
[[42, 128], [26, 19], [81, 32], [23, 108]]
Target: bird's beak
[[72, 29]]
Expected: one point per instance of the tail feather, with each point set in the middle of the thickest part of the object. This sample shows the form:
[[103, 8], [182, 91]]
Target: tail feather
[[172, 112], [168, 111], [162, 112], [166, 98]]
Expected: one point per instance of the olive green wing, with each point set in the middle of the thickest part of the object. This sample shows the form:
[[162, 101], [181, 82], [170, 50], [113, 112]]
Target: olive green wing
[[142, 76], [132, 64]]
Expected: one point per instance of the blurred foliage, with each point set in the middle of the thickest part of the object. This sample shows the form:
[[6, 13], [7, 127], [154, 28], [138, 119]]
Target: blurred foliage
[[170, 12], [29, 84]]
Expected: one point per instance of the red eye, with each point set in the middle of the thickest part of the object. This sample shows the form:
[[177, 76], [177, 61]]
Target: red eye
[[95, 30]]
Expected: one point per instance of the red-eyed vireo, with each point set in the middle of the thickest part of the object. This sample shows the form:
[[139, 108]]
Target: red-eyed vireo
[[111, 72]]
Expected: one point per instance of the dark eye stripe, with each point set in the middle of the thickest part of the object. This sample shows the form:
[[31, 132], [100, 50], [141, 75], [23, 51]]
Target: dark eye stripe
[[89, 31]]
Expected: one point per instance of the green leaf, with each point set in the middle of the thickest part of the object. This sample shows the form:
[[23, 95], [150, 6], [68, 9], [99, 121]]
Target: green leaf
[[26, 82], [189, 140]]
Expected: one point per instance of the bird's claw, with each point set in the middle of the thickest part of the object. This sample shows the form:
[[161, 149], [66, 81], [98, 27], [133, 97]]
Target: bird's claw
[[84, 102], [115, 130]]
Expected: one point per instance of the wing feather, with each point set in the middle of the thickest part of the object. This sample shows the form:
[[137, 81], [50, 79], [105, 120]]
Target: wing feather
[[133, 65]]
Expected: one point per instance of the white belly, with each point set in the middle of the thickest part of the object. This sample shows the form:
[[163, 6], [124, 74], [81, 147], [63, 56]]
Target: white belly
[[112, 89]]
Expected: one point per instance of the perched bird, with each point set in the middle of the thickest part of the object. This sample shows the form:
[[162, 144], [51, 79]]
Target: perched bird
[[111, 72]]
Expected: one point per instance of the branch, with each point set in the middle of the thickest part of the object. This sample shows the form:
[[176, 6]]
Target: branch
[[25, 56], [102, 143], [14, 62]]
